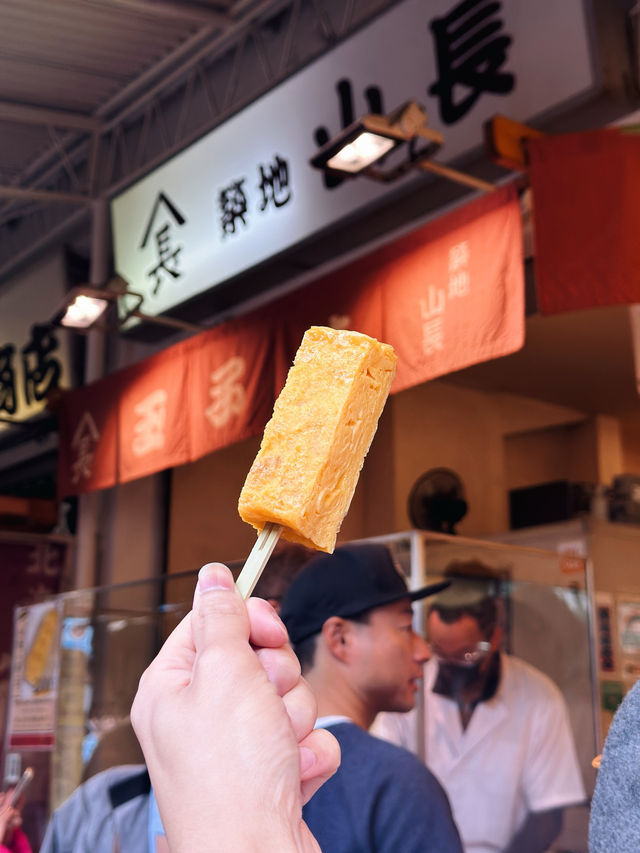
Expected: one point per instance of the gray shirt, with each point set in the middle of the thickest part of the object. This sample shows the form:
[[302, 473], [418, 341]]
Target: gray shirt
[[106, 814]]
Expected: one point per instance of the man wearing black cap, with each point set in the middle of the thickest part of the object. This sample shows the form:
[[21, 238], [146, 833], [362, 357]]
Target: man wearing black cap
[[496, 730], [349, 619]]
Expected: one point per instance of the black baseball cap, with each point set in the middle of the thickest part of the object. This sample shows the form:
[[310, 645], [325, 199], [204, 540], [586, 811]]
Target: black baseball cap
[[352, 580]]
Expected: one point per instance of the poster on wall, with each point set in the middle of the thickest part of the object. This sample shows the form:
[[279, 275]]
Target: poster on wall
[[628, 612], [607, 662], [32, 567], [35, 670], [629, 627]]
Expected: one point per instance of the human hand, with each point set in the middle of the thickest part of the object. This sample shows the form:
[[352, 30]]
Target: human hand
[[225, 722], [9, 818]]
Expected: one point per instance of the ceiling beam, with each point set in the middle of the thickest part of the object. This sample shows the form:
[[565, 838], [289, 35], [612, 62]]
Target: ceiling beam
[[169, 9], [43, 195], [218, 4], [25, 114], [290, 40]]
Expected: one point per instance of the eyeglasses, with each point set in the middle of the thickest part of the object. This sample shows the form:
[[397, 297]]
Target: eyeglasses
[[467, 658]]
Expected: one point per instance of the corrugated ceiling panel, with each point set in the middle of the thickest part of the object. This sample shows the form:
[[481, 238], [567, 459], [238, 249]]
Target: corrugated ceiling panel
[[60, 88], [75, 54], [72, 55]]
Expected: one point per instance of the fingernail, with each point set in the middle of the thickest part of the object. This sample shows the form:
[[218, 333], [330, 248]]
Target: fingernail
[[307, 759], [214, 576], [276, 618]]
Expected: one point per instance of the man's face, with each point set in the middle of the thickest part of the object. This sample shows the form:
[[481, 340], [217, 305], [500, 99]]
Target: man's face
[[389, 658], [451, 642]]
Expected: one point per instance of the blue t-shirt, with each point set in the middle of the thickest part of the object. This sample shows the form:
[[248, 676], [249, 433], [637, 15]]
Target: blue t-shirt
[[154, 826], [381, 800]]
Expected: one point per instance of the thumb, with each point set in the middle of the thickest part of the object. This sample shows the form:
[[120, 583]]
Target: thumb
[[219, 616]]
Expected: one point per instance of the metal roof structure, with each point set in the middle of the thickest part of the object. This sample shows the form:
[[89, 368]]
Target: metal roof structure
[[95, 93]]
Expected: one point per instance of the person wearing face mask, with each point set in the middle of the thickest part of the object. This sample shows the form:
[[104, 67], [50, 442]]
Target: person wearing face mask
[[496, 730]]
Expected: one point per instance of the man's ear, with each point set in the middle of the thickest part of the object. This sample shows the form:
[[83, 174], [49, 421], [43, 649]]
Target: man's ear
[[496, 638], [336, 633]]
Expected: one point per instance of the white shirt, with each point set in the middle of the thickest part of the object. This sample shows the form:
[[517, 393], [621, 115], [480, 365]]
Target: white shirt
[[516, 755]]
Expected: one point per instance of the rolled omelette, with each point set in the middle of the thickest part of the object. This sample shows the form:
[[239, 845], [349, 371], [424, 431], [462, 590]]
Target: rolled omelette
[[322, 426]]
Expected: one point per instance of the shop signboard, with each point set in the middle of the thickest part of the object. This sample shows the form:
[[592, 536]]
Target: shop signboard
[[34, 358], [246, 191]]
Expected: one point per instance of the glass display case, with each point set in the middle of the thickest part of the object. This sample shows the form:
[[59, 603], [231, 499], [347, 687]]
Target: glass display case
[[78, 722], [107, 636], [546, 611]]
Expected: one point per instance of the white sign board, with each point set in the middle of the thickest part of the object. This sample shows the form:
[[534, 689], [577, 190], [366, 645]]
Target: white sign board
[[246, 191]]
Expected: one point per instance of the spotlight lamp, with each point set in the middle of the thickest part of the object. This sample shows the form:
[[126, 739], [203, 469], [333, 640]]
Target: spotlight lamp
[[84, 311], [362, 147], [85, 306]]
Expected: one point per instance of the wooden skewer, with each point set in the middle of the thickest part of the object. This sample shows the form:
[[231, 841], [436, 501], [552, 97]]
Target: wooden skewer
[[26, 777], [257, 559]]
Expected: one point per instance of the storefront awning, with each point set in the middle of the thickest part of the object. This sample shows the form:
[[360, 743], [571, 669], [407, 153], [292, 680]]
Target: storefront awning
[[446, 296]]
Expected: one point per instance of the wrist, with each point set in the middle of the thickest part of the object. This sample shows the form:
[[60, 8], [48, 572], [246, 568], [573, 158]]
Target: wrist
[[248, 840], [242, 830]]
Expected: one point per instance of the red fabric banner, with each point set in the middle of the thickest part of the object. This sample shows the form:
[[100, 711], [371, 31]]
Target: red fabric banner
[[230, 384], [585, 212], [87, 446], [348, 298], [445, 296], [453, 291], [153, 424]]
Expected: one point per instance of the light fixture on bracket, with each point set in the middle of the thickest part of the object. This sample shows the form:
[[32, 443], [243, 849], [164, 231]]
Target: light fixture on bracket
[[85, 305], [366, 142]]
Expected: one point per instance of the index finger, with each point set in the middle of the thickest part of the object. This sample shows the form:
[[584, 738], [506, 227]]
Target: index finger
[[267, 630]]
